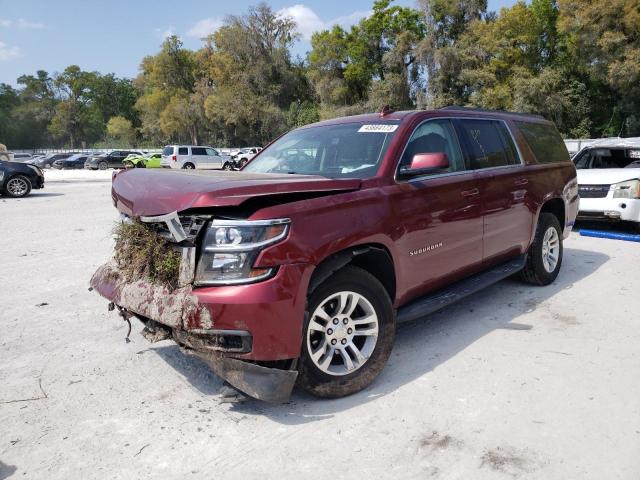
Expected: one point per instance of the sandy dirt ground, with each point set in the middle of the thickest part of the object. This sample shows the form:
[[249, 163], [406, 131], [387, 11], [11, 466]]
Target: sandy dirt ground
[[513, 382]]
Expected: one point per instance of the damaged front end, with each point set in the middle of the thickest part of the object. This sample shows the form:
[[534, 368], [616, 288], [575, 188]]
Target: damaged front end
[[171, 310]]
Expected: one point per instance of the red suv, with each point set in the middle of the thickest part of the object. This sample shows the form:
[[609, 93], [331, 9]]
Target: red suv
[[298, 268]]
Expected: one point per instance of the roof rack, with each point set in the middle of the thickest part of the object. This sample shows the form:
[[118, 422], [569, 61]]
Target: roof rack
[[486, 110]]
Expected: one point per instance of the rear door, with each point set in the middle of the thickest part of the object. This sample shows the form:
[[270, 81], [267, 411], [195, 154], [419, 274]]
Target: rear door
[[200, 158], [504, 185], [440, 219], [115, 159], [183, 157]]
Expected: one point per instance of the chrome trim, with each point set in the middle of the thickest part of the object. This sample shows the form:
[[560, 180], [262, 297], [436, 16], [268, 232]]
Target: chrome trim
[[204, 331], [173, 224], [239, 281]]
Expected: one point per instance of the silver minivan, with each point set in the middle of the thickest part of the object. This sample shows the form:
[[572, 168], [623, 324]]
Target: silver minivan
[[193, 157]]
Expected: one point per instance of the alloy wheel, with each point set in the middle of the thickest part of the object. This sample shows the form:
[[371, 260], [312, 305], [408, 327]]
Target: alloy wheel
[[17, 187], [550, 249], [342, 333]]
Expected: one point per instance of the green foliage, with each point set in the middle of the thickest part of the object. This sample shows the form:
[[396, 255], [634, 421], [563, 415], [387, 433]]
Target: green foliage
[[142, 254], [121, 131], [576, 62]]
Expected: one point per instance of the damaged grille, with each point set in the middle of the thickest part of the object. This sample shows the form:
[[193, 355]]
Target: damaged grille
[[173, 227]]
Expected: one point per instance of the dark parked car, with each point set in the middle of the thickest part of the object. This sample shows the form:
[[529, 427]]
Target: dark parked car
[[73, 162], [109, 160], [298, 268], [17, 179], [47, 160]]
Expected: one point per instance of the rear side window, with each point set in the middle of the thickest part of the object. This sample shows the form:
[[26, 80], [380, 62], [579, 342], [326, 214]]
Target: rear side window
[[488, 143], [545, 142], [211, 152], [183, 151], [167, 151], [198, 151]]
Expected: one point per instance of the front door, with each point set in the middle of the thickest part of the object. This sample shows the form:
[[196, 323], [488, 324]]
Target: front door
[[439, 228]]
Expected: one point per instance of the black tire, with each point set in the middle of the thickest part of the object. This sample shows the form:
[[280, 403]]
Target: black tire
[[103, 166], [189, 166], [17, 186], [227, 166], [243, 162], [534, 271], [352, 279]]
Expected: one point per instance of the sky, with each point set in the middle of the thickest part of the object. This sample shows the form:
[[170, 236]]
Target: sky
[[112, 36]]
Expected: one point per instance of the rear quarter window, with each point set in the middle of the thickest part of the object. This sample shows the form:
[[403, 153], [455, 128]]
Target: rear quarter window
[[167, 151], [545, 142]]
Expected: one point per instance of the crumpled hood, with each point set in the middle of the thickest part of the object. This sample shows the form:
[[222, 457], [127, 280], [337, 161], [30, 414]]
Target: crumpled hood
[[139, 191], [606, 176]]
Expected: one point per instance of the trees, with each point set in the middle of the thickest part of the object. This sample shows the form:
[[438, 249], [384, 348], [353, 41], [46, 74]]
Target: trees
[[373, 64], [120, 130], [576, 62]]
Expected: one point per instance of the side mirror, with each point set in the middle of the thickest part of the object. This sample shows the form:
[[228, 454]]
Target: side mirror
[[423, 163]]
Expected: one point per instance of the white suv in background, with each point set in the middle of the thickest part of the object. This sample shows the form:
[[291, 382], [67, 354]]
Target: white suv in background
[[192, 157], [609, 180]]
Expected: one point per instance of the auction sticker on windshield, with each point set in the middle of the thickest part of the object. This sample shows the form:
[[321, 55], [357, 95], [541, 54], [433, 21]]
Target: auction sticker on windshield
[[378, 128]]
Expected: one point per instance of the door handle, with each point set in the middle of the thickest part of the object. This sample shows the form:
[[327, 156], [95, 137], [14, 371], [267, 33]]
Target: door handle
[[470, 193], [521, 182]]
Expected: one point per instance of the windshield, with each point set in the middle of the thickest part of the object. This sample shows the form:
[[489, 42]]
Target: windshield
[[608, 158], [352, 150]]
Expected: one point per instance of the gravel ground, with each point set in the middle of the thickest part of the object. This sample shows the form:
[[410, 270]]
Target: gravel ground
[[513, 382]]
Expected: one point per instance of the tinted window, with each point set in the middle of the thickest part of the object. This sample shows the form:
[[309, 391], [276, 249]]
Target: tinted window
[[183, 151], [349, 150], [434, 136], [211, 151], [545, 141], [198, 151], [486, 144], [167, 151]]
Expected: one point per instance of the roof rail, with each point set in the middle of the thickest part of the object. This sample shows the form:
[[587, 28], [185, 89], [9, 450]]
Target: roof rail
[[486, 110]]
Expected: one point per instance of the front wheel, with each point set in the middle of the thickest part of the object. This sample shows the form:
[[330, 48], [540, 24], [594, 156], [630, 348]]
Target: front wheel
[[103, 166], [349, 332], [545, 254], [18, 186], [227, 166]]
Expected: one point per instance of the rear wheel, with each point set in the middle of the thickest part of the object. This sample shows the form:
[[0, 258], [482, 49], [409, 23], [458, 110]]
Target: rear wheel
[[545, 254], [189, 166], [18, 186], [348, 334], [103, 166]]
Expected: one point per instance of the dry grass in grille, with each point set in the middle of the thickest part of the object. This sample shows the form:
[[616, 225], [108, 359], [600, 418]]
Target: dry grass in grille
[[141, 253]]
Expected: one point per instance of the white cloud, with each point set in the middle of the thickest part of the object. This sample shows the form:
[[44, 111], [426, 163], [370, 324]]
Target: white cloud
[[306, 19], [309, 22], [20, 24], [7, 52], [205, 27]]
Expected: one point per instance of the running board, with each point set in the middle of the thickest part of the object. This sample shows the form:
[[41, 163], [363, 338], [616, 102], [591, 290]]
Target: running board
[[457, 291]]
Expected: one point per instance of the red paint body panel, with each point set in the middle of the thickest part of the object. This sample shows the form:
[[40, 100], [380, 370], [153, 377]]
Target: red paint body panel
[[466, 221]]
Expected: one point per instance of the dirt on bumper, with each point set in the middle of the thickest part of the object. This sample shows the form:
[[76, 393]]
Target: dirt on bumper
[[179, 311]]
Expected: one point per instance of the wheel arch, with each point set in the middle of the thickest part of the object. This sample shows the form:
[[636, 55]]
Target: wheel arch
[[372, 257], [556, 207]]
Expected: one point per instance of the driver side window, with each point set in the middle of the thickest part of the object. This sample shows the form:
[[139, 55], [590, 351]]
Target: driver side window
[[435, 136]]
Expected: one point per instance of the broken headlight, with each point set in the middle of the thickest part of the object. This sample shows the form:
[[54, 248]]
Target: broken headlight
[[628, 189], [230, 249]]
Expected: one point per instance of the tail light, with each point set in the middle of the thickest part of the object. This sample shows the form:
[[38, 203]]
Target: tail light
[[174, 158]]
